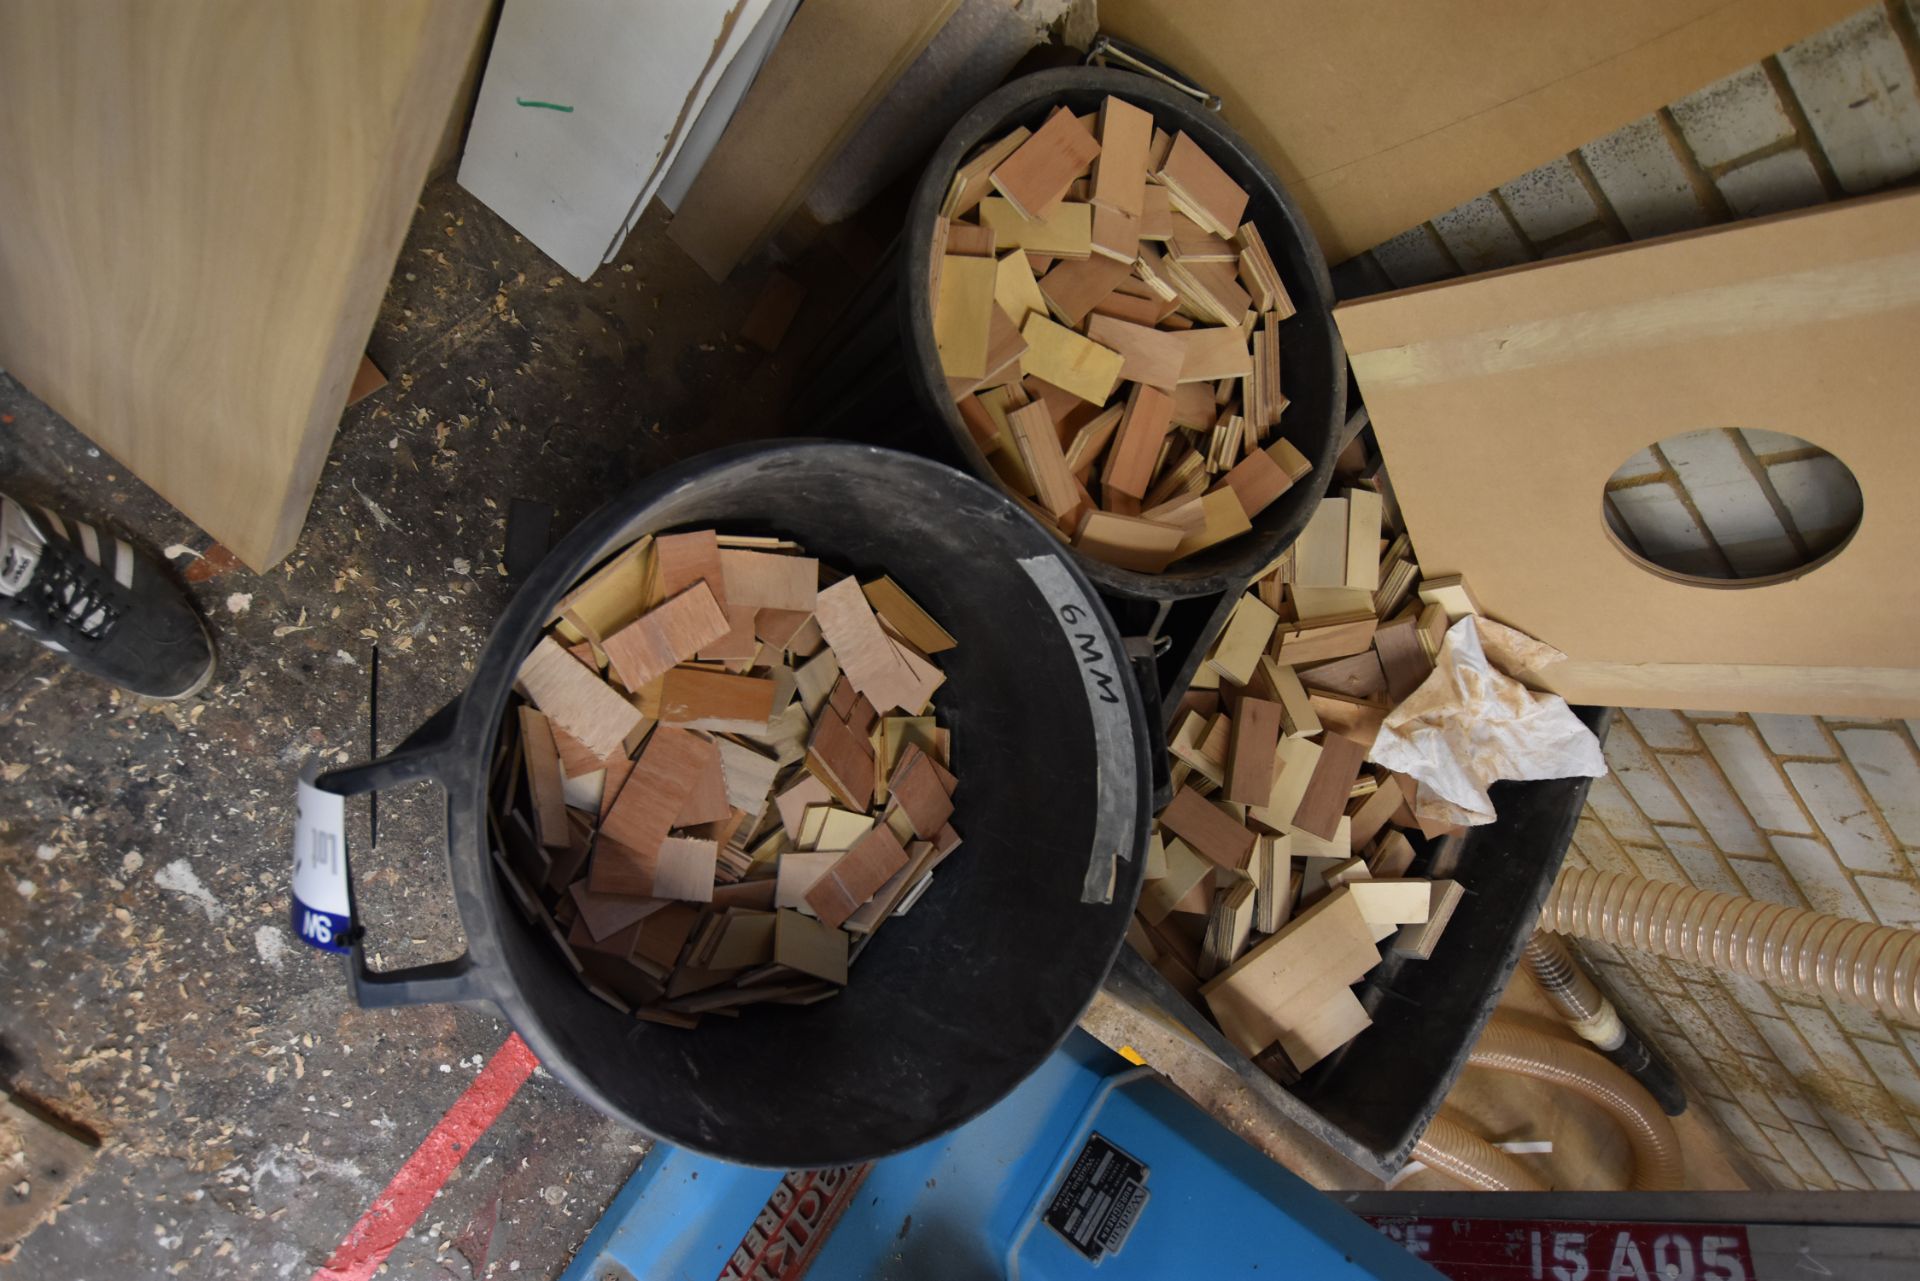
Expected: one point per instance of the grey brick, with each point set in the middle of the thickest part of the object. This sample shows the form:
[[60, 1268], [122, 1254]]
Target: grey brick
[[1767, 882], [1641, 464], [1843, 814], [1822, 498], [1763, 442], [1755, 778], [1729, 1018], [1908, 1165], [1655, 864], [1895, 1072], [1752, 994], [1854, 1134], [1782, 1089], [1819, 877], [1780, 1177], [1784, 180], [1697, 859], [1718, 810], [1600, 236], [1886, 766], [1856, 86], [1644, 180], [1837, 1160], [1665, 529], [1882, 1173], [1661, 729], [1793, 735], [1414, 258], [1480, 237], [1833, 1046], [1857, 1021], [1637, 771], [1596, 843], [1607, 801], [1728, 497], [1550, 201], [1893, 902], [1794, 1151], [1741, 1127], [1788, 1048], [1731, 118]]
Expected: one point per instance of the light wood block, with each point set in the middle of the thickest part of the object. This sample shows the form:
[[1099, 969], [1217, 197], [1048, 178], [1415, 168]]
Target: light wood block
[[963, 315], [1236, 655], [1070, 361], [766, 581], [1120, 170], [1210, 833], [1075, 287], [1363, 540], [1420, 940], [1066, 232], [1209, 196], [1015, 291], [575, 698], [1256, 739], [1214, 353], [1186, 871], [1036, 176], [1320, 553], [1131, 543], [1152, 356]]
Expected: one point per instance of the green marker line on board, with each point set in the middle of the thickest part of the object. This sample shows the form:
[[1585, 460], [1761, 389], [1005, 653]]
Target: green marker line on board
[[549, 106]]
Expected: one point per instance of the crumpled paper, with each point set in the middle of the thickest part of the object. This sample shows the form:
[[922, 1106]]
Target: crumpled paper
[[1471, 724]]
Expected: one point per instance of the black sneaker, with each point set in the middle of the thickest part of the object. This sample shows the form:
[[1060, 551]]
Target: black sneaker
[[126, 623]]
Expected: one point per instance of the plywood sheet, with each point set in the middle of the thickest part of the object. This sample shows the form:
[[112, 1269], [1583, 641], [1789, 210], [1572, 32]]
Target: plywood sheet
[[190, 275], [1802, 323], [1458, 96]]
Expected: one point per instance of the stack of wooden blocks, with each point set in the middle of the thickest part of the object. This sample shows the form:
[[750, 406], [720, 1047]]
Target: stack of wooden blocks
[[1283, 861], [725, 777], [1109, 325]]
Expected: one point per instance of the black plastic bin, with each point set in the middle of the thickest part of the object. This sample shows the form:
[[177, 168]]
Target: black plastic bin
[[1371, 1100], [876, 375], [950, 1008]]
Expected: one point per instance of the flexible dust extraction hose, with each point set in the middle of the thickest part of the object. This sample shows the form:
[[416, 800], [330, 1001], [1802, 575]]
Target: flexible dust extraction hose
[[1592, 1015], [1508, 1047], [1458, 1152], [1873, 965]]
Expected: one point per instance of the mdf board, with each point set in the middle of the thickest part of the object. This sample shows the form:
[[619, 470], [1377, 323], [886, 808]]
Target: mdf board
[[200, 205], [1503, 404], [836, 60], [1459, 95]]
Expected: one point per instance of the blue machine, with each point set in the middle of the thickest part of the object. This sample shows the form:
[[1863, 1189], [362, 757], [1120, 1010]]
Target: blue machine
[[1092, 1168]]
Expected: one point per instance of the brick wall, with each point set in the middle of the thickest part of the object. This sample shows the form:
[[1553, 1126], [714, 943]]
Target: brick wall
[[1796, 810], [1835, 115]]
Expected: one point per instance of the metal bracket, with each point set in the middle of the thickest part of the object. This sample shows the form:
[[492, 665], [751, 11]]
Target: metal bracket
[[1105, 51]]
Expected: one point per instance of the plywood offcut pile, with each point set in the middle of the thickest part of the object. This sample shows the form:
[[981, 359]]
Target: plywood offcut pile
[[725, 775], [1108, 321], [1284, 861]]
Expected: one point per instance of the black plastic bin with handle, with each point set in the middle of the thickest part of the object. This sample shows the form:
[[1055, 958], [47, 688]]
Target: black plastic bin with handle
[[951, 1006]]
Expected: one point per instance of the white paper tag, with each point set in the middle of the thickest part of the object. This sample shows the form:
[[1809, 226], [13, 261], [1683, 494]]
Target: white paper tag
[[1101, 673], [322, 911]]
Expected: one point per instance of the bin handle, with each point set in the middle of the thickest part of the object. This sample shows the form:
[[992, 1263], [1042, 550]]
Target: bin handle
[[426, 756], [1105, 50]]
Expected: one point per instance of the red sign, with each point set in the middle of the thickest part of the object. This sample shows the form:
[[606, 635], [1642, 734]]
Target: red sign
[[1572, 1250]]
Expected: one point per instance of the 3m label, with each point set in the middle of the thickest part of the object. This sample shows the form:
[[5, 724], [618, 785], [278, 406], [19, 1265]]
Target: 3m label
[[1099, 1200], [322, 911], [1101, 672]]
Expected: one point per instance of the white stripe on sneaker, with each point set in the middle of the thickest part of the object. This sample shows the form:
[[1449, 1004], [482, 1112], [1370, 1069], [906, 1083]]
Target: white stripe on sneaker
[[122, 563], [58, 526], [89, 541]]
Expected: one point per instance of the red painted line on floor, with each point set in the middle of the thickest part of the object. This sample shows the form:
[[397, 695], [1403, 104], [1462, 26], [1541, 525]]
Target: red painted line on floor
[[394, 1212]]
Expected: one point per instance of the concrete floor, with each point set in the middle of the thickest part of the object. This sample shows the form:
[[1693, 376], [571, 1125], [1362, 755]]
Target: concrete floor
[[154, 993]]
